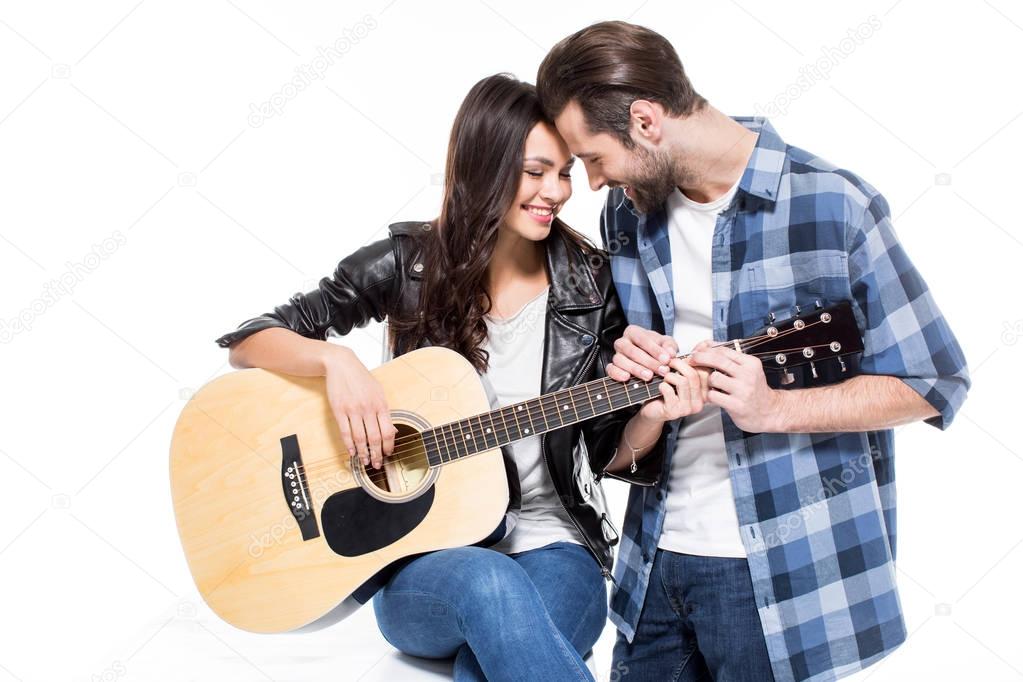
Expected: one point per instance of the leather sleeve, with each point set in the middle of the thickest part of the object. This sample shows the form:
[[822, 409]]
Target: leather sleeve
[[603, 434], [362, 288]]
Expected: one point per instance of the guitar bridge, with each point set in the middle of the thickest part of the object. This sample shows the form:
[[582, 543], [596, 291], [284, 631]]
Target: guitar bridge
[[296, 488]]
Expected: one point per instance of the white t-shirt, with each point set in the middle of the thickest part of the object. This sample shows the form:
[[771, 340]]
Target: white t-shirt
[[515, 345], [700, 513]]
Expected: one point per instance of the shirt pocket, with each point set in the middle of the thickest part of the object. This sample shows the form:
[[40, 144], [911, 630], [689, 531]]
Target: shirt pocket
[[779, 285], [803, 280]]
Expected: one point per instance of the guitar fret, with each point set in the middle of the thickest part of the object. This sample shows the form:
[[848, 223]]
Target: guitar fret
[[634, 386], [572, 400], [436, 442], [618, 397], [459, 441], [517, 425], [467, 441], [504, 420], [447, 445], [584, 404], [493, 427], [543, 413], [593, 410], [482, 436], [530, 427], [555, 411]]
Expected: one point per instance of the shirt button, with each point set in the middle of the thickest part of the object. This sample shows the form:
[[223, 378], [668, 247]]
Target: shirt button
[[418, 267]]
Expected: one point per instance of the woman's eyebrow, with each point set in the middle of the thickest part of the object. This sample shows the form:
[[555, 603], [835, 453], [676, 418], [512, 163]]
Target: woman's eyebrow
[[547, 162]]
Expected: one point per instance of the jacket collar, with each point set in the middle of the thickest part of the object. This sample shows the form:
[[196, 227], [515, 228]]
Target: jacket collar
[[572, 283]]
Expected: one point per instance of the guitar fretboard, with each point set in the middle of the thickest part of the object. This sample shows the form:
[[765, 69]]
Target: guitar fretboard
[[482, 432]]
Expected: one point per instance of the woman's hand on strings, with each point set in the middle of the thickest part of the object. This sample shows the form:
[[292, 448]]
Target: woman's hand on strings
[[357, 400]]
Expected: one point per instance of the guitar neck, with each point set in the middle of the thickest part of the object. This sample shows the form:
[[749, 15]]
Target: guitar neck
[[482, 432], [817, 336]]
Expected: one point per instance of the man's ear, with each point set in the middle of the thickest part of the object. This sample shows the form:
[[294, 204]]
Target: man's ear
[[647, 119]]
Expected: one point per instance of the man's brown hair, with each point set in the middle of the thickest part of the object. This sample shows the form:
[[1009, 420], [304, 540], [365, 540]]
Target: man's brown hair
[[605, 68]]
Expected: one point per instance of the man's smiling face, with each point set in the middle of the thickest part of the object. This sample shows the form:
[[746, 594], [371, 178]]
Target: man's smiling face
[[647, 174]]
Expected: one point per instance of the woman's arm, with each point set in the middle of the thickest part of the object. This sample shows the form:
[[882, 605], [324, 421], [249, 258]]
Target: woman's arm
[[635, 436], [291, 340], [283, 350]]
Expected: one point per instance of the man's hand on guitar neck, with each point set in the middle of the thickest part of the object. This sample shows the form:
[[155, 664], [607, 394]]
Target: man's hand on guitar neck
[[733, 381], [738, 386], [736, 383], [641, 353]]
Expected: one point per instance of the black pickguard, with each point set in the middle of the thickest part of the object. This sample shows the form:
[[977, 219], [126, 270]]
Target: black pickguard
[[356, 523]]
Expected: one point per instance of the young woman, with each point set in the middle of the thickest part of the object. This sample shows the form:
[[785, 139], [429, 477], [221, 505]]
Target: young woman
[[530, 303]]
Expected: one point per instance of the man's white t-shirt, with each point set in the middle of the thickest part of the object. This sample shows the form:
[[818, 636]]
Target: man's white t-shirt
[[515, 345], [700, 513]]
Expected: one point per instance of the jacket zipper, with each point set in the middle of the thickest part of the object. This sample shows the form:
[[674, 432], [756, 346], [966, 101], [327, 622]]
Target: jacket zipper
[[604, 569]]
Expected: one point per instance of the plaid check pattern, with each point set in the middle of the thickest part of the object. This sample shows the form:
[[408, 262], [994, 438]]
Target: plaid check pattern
[[816, 511]]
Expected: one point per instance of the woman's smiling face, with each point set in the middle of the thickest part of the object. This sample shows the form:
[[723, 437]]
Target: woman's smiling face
[[545, 184]]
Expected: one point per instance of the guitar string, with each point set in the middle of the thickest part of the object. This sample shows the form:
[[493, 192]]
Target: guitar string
[[618, 391], [751, 342], [418, 442]]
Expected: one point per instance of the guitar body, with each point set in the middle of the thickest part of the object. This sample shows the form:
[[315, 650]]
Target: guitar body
[[280, 524]]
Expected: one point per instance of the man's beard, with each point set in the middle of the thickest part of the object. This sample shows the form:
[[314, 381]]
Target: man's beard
[[654, 179]]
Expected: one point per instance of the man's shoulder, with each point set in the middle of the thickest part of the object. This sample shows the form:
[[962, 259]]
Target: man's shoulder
[[810, 174]]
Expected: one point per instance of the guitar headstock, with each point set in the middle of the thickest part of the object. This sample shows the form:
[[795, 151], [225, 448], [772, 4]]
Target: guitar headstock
[[808, 339]]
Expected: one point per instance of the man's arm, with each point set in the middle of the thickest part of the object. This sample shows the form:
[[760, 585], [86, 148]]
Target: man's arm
[[863, 403], [912, 366]]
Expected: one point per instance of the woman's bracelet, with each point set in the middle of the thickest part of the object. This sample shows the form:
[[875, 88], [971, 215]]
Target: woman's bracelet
[[632, 467]]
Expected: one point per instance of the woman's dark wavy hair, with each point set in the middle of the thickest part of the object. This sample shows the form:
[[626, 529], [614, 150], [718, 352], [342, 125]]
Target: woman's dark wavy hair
[[481, 180]]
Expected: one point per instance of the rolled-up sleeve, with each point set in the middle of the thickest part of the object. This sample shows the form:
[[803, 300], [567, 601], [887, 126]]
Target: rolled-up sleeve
[[905, 334]]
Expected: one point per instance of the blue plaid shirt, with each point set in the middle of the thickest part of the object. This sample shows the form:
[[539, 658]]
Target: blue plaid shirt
[[816, 511]]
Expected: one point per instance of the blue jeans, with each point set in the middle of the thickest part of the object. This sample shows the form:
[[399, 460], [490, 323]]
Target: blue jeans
[[526, 616], [699, 622]]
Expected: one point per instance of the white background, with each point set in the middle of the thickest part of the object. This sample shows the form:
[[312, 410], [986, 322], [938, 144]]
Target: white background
[[130, 122]]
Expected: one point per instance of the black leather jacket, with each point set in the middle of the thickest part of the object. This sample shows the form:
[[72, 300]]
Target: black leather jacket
[[584, 318]]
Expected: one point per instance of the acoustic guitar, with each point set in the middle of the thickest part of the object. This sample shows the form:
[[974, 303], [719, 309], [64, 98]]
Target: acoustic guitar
[[283, 529]]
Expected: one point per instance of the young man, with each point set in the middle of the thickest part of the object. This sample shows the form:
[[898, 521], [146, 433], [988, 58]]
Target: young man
[[766, 545]]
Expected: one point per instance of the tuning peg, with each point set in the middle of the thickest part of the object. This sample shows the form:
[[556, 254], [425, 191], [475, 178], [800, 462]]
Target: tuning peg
[[787, 378], [817, 304], [841, 363], [813, 370], [798, 310], [770, 318]]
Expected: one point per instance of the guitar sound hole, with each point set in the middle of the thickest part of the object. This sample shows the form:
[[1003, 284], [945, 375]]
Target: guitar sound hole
[[406, 470]]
